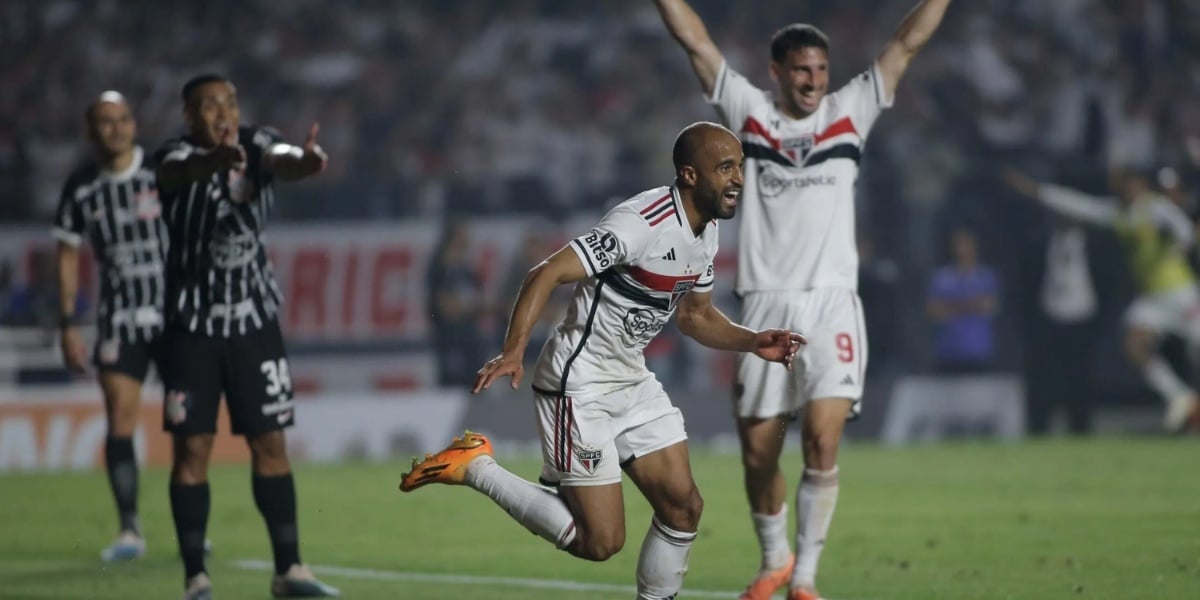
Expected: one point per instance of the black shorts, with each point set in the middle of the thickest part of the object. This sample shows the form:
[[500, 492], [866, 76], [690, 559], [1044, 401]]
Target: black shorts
[[129, 358], [250, 370]]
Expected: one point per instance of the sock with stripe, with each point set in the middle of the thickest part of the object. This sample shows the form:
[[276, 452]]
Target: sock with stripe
[[663, 561], [121, 464], [817, 498], [540, 510]]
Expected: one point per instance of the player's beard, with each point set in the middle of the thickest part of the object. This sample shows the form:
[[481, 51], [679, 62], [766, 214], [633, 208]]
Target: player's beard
[[714, 202]]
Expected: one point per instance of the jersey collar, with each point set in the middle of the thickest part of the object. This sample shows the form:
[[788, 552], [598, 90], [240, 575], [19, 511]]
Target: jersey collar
[[126, 174]]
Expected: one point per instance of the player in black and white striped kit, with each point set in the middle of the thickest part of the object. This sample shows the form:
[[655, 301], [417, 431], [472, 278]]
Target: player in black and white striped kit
[[113, 202], [223, 335]]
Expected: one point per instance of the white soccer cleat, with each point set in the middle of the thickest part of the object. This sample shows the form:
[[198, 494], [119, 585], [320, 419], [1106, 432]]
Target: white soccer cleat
[[127, 546], [199, 587], [1181, 410]]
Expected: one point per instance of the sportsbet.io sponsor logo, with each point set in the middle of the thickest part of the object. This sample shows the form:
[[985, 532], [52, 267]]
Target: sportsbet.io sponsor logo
[[601, 246], [773, 181], [641, 325]]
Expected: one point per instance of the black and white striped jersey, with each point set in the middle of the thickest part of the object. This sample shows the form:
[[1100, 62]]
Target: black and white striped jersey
[[219, 281], [120, 215]]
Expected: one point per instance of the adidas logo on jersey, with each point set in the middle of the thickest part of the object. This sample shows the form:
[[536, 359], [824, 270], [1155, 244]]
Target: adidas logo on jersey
[[670, 255], [849, 380]]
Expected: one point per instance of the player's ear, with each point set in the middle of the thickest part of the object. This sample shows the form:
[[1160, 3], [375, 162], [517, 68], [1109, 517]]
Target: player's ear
[[687, 174], [773, 69]]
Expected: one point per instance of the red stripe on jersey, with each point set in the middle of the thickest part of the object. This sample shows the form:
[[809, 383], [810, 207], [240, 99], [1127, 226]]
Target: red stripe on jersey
[[655, 204], [661, 217], [752, 126], [656, 281], [839, 127]]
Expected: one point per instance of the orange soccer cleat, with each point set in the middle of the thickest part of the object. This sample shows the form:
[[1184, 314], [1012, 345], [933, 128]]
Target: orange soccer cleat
[[768, 582], [448, 466], [802, 594]]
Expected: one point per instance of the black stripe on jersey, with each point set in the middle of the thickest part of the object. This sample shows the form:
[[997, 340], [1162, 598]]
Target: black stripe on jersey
[[660, 210], [621, 286], [587, 332], [849, 151], [586, 255], [762, 152]]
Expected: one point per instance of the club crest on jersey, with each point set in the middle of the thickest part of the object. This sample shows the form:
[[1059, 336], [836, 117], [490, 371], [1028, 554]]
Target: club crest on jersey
[[680, 290], [146, 205], [589, 457], [797, 148]]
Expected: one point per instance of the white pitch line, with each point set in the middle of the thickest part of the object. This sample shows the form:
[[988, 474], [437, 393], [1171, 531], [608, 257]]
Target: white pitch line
[[481, 580]]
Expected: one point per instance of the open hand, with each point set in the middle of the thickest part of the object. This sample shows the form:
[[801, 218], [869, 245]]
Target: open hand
[[778, 345], [504, 364]]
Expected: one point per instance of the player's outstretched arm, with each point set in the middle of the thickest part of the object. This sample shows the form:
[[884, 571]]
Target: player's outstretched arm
[[290, 163], [914, 31], [1065, 201], [181, 167], [687, 29], [562, 267], [705, 323]]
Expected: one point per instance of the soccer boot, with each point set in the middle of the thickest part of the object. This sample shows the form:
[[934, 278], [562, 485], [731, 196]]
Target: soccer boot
[[803, 594], [1183, 410], [299, 582], [198, 588], [127, 546], [768, 582], [448, 466]]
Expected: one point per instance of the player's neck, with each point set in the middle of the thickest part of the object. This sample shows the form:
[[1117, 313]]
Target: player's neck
[[119, 162], [695, 219]]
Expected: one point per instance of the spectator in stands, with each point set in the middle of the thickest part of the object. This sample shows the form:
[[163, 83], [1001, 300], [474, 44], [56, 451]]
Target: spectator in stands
[[962, 303], [456, 306]]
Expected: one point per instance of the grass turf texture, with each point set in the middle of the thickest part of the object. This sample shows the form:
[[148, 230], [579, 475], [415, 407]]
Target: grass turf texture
[[1105, 518]]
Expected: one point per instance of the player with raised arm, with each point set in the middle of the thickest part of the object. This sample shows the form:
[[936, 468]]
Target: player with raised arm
[[798, 263], [600, 410], [113, 202], [223, 336], [1156, 234]]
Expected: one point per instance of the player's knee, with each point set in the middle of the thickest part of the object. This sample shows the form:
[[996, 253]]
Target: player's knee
[[684, 514], [759, 460], [821, 450], [269, 453], [124, 418], [600, 545], [190, 461]]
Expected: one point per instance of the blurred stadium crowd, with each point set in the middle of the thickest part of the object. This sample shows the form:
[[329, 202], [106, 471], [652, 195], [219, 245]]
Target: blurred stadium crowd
[[433, 108]]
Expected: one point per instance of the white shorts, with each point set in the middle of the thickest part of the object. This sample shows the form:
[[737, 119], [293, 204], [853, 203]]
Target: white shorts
[[1176, 311], [832, 365], [585, 440]]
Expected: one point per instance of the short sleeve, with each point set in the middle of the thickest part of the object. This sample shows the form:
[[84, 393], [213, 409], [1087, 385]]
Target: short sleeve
[[620, 237], [864, 98], [265, 137], [734, 97], [69, 224], [705, 283], [177, 149]]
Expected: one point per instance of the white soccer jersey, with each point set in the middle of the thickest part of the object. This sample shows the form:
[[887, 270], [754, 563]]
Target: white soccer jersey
[[641, 259], [797, 207]]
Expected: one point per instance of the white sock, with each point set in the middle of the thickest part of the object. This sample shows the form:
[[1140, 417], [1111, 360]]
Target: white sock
[[817, 498], [1164, 381], [540, 510], [663, 562], [773, 538]]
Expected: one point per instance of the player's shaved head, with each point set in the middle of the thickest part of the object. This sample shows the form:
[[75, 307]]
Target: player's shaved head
[[690, 142], [199, 81], [105, 97]]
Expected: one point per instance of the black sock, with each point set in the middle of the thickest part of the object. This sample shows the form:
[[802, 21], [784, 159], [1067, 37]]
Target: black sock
[[122, 469], [275, 497], [189, 508]]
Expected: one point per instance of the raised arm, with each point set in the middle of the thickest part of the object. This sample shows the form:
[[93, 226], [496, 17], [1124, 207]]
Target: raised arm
[[183, 165], [916, 29], [1066, 201], [562, 267], [700, 320], [687, 29], [290, 163]]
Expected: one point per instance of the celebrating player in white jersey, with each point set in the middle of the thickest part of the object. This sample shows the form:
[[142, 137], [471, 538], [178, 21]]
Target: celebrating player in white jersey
[[798, 263], [600, 410]]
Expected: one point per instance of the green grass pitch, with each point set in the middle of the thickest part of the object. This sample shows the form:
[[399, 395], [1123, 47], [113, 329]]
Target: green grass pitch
[[1107, 518]]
